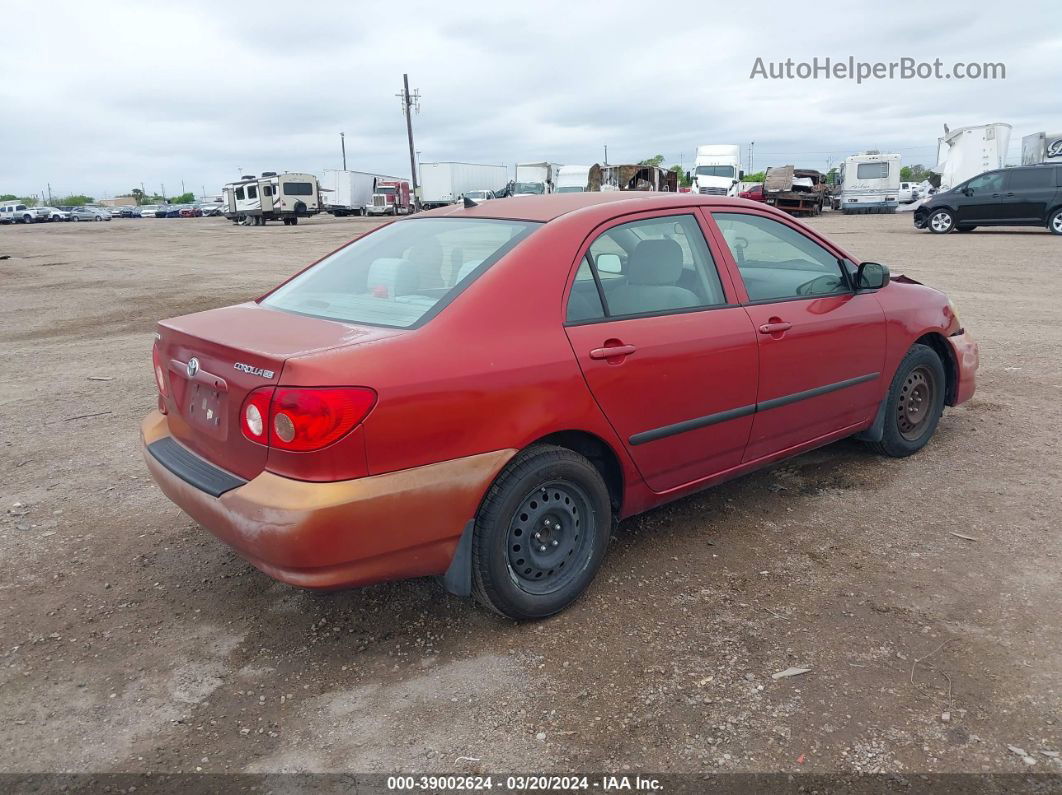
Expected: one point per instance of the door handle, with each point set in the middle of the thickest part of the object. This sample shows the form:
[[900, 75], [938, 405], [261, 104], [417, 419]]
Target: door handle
[[775, 327], [1009, 195], [612, 351]]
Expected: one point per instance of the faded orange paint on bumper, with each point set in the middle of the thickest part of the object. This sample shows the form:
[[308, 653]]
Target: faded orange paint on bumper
[[967, 359], [343, 534]]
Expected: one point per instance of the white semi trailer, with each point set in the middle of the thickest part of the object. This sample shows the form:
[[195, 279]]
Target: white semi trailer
[[968, 151], [445, 183]]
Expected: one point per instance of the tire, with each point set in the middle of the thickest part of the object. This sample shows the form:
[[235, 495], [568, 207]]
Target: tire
[[556, 499], [941, 222], [914, 403], [75, 218], [295, 221], [1055, 222]]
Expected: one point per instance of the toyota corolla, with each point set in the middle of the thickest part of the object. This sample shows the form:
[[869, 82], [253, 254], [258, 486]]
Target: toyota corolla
[[481, 392]]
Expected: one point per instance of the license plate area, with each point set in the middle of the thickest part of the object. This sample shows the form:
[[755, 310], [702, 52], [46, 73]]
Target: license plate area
[[204, 408]]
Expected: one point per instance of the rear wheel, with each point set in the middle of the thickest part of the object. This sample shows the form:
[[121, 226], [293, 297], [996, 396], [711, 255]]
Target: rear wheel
[[541, 533], [1055, 224], [914, 403]]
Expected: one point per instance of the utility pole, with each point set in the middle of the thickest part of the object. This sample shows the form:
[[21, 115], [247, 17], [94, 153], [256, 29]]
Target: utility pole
[[182, 187], [343, 146], [163, 186], [49, 193], [606, 155], [752, 160], [410, 101]]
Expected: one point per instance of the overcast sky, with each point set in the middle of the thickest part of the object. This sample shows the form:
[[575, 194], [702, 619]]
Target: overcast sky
[[99, 97]]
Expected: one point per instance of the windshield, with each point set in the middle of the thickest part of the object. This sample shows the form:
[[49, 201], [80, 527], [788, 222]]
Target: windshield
[[571, 189], [529, 187], [386, 190], [715, 171], [399, 274]]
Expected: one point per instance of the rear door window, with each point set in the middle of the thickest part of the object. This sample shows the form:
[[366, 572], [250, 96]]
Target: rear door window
[[1030, 179], [776, 261]]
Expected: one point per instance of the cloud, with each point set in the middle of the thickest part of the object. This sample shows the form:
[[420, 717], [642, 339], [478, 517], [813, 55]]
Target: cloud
[[101, 97]]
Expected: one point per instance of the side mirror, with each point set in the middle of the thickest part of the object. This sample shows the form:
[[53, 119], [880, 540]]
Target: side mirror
[[688, 176], [967, 191], [609, 263], [871, 276], [741, 175]]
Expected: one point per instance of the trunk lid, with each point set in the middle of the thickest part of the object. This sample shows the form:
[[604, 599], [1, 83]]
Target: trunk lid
[[236, 350]]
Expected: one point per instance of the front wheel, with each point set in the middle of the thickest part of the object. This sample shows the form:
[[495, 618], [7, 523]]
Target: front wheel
[[541, 533], [914, 403], [1055, 224], [941, 222]]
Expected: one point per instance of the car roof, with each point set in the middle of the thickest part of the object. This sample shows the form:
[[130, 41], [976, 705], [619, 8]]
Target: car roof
[[547, 208]]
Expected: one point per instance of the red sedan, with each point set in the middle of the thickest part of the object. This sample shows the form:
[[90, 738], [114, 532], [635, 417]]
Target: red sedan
[[481, 393], [755, 193]]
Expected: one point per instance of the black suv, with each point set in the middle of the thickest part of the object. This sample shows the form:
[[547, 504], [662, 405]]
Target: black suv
[[1025, 196]]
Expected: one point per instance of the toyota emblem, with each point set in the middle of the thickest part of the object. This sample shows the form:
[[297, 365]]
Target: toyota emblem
[[193, 367]]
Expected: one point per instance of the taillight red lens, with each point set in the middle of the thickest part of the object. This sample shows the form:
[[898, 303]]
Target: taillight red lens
[[305, 418], [254, 415], [160, 374]]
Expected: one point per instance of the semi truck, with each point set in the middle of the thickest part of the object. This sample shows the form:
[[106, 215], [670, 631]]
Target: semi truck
[[445, 183], [868, 183], [286, 197], [535, 179], [391, 197], [349, 192], [717, 170]]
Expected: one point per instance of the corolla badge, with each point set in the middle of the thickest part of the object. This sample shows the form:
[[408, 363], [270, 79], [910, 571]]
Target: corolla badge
[[246, 368], [192, 367]]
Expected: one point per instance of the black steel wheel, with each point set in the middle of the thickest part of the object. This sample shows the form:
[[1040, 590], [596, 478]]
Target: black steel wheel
[[540, 534], [914, 404]]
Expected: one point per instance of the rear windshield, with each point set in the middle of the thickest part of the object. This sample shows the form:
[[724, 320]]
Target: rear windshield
[[402, 274]]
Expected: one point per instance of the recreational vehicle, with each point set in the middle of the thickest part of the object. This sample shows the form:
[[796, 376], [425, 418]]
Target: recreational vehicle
[[1041, 148], [869, 182], [717, 170], [968, 151], [286, 197]]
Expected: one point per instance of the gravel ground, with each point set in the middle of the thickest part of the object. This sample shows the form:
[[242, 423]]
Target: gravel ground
[[133, 641]]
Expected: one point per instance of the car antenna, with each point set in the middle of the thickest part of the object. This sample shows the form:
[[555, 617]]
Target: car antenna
[[469, 203]]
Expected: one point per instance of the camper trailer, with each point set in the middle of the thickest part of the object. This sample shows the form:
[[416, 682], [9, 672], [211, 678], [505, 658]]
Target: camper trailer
[[287, 197], [717, 170], [968, 151], [869, 183]]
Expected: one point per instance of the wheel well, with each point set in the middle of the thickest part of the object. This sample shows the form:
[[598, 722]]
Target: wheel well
[[600, 454], [951, 371]]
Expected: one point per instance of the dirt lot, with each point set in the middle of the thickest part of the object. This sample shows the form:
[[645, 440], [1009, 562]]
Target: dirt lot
[[134, 641]]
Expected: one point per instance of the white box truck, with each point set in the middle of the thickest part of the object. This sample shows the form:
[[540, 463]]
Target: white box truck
[[869, 183], [717, 170], [535, 179], [349, 192], [968, 151], [572, 179], [445, 183]]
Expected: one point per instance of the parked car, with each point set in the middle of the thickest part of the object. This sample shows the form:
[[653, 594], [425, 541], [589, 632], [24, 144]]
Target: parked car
[[755, 193], [212, 210], [148, 210], [371, 419], [168, 211], [907, 193], [88, 213], [52, 214], [1022, 196], [189, 211], [121, 211], [13, 212], [479, 195]]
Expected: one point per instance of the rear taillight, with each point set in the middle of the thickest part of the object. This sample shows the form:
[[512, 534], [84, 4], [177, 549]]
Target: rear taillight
[[160, 374], [302, 419], [254, 415]]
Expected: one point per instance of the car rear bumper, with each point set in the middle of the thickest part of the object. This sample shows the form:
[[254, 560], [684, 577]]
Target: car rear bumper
[[330, 535], [967, 358]]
